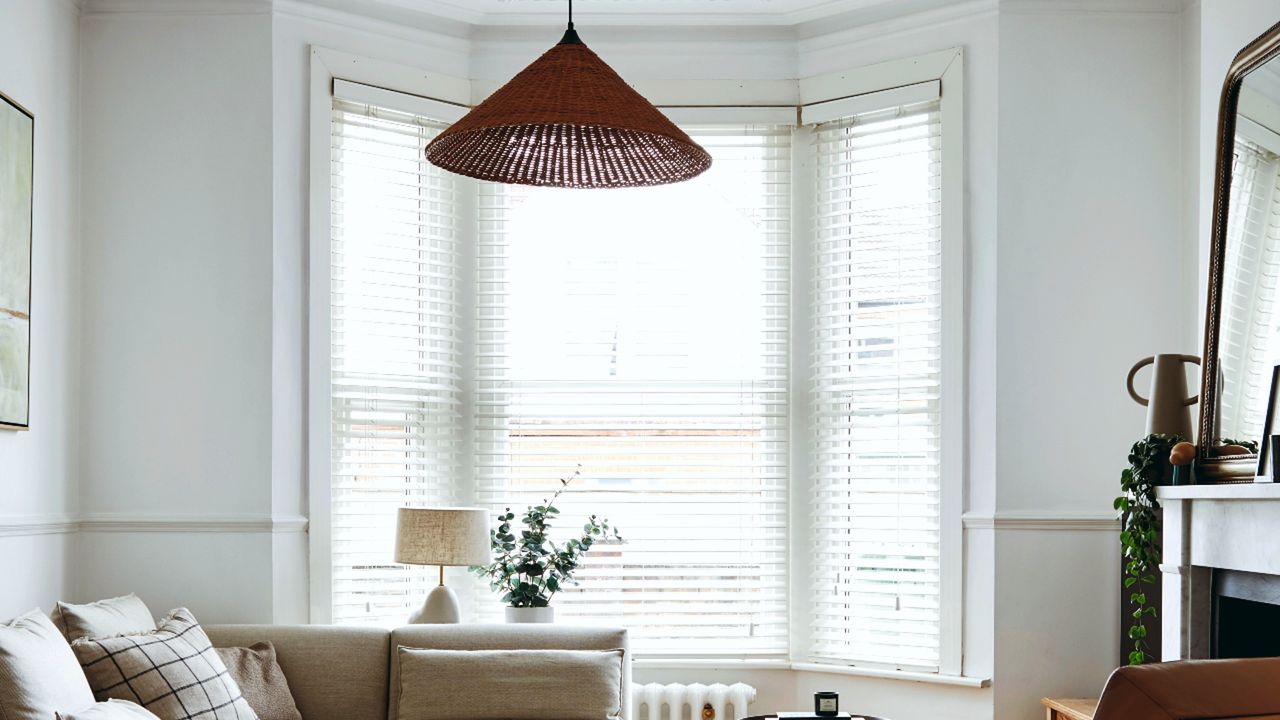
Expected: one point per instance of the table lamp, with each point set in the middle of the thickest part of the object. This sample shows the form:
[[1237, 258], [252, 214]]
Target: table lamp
[[441, 536]]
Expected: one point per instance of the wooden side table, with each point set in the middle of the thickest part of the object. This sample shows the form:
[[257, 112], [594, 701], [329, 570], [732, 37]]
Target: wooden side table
[[1069, 708]]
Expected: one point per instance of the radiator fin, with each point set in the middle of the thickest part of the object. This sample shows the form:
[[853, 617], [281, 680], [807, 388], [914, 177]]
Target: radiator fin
[[693, 700]]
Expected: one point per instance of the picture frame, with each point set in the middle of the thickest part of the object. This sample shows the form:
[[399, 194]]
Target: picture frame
[[17, 190], [1265, 472]]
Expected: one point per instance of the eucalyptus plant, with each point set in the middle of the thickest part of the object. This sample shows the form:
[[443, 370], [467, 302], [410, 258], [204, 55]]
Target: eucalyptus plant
[[530, 568]]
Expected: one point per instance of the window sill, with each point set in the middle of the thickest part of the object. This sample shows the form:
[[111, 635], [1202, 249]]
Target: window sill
[[880, 673], [904, 675]]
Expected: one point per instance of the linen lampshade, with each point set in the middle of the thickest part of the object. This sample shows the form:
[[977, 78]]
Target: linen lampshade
[[442, 536]]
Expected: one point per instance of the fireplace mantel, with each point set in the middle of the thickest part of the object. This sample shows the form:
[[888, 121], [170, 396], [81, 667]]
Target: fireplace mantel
[[1208, 527], [1241, 491]]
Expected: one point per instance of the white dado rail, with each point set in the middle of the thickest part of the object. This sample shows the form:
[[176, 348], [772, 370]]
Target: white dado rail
[[1208, 527]]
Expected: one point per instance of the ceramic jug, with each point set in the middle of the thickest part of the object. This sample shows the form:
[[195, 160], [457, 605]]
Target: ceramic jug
[[1168, 407]]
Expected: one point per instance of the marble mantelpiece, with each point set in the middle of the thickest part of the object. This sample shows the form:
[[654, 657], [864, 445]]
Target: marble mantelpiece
[[1208, 527]]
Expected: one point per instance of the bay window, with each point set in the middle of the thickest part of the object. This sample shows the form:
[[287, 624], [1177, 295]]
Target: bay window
[[774, 466]]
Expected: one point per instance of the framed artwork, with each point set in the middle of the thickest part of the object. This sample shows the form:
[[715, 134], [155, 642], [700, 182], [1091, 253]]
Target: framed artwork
[[17, 161], [1266, 449]]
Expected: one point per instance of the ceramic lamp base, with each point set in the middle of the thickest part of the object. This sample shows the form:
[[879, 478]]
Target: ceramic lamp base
[[441, 607]]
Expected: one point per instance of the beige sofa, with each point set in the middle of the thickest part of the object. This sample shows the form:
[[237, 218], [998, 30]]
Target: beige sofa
[[351, 673]]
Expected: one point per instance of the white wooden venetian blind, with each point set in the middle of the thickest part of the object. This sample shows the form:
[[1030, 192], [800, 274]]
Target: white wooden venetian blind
[[643, 335], [395, 352], [876, 353]]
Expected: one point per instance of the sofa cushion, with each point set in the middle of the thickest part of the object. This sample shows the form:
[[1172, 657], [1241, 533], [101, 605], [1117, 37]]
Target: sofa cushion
[[335, 673], [510, 684], [174, 672], [124, 615], [110, 710], [504, 637], [39, 675], [260, 678]]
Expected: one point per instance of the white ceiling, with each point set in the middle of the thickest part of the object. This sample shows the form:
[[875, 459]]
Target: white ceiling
[[646, 12]]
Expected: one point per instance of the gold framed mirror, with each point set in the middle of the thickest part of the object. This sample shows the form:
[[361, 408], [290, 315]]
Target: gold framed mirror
[[1242, 312]]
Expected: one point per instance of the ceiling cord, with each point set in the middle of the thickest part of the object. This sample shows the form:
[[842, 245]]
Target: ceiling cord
[[570, 35]]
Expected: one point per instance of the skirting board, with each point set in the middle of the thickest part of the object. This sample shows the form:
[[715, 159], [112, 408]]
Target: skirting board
[[23, 525]]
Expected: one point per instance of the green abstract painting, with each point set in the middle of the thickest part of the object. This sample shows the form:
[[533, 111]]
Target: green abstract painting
[[16, 165]]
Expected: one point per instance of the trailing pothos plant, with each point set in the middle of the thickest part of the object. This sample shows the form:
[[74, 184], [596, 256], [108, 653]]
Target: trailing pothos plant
[[530, 568], [1140, 531]]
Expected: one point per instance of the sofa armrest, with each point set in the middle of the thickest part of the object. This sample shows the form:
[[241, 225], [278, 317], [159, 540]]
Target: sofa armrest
[[1192, 689]]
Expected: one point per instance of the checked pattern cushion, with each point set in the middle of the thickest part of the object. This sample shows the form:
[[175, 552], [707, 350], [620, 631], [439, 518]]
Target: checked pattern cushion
[[173, 672]]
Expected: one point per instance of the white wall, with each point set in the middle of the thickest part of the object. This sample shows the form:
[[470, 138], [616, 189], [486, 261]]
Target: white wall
[[1092, 277], [1189, 140], [176, 462], [646, 53], [39, 69]]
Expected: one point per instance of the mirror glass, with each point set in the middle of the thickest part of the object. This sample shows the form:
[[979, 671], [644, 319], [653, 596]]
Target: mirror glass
[[1249, 337]]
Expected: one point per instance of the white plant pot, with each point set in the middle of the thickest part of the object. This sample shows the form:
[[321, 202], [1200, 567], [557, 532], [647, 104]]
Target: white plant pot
[[531, 614]]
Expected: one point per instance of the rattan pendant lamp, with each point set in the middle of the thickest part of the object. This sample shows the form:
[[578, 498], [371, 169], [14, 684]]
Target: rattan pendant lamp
[[568, 120]]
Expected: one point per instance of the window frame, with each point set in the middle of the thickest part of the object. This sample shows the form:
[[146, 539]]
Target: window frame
[[431, 93]]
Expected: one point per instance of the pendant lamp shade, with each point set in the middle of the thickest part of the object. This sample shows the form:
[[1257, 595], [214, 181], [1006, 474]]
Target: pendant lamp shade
[[568, 120]]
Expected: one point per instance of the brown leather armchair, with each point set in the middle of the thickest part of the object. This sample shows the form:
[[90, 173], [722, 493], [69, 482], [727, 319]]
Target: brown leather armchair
[[1193, 690]]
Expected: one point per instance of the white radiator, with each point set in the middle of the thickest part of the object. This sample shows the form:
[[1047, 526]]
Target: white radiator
[[694, 701]]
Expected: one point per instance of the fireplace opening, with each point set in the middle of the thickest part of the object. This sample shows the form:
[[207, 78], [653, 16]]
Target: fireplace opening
[[1246, 615]]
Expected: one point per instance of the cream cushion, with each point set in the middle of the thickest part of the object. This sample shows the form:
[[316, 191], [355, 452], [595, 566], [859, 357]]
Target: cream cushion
[[110, 710], [124, 615], [510, 684], [499, 637], [39, 675]]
